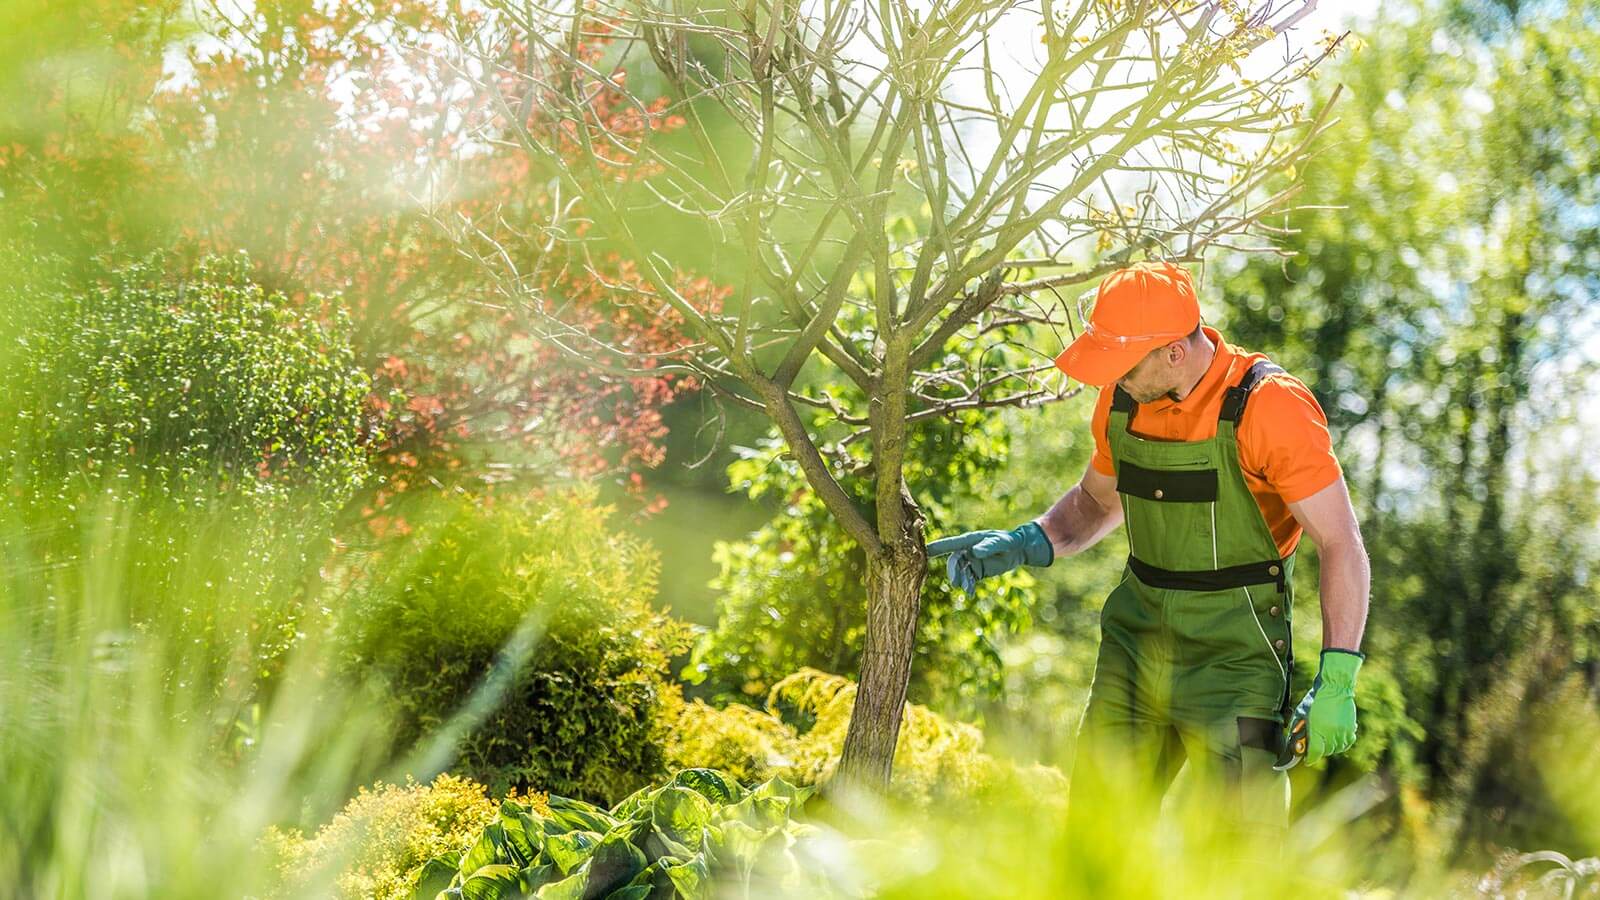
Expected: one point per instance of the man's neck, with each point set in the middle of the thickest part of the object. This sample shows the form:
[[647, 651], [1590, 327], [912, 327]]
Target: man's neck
[[1201, 362]]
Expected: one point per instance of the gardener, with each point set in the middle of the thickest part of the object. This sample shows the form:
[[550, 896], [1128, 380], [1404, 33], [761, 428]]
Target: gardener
[[1215, 460]]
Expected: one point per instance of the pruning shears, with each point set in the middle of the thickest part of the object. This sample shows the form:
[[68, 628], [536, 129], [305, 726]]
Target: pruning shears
[[1294, 745]]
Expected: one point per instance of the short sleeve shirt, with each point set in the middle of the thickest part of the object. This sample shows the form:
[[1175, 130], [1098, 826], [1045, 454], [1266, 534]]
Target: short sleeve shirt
[[1285, 449]]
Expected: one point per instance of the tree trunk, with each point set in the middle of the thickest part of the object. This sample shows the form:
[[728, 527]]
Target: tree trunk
[[894, 598]]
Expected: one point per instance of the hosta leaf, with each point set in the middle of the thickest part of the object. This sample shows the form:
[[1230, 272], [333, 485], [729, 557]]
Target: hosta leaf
[[523, 836], [692, 878], [635, 805], [576, 815], [535, 877], [658, 846], [436, 875], [777, 787], [757, 811], [573, 887], [614, 863], [488, 850], [680, 814], [570, 849], [654, 877], [710, 784], [496, 882], [740, 844]]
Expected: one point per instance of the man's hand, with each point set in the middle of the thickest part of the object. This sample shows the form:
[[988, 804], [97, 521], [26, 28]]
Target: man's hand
[[1329, 708], [977, 555]]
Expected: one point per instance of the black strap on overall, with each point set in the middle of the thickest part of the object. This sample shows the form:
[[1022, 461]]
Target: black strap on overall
[[1269, 570]]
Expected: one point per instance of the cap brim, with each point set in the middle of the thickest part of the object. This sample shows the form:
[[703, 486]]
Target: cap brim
[[1097, 364]]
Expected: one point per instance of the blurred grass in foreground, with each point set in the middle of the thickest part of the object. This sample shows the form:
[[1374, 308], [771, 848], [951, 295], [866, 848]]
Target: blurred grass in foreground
[[127, 775], [128, 770]]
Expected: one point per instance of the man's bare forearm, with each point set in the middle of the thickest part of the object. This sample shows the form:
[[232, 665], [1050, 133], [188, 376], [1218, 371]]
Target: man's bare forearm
[[1346, 585], [1077, 522]]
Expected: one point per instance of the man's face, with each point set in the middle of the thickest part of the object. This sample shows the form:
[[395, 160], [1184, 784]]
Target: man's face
[[1152, 377]]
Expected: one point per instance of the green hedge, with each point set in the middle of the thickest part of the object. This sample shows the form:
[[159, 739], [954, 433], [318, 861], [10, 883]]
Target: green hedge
[[523, 628], [188, 386]]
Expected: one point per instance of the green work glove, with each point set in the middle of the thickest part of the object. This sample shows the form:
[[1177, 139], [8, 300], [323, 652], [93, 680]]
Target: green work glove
[[1329, 708], [977, 555]]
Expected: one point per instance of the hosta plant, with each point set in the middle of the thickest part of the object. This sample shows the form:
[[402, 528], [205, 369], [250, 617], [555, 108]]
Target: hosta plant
[[670, 841]]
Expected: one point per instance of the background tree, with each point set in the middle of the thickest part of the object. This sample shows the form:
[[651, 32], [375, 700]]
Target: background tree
[[1016, 177], [1439, 312], [307, 135]]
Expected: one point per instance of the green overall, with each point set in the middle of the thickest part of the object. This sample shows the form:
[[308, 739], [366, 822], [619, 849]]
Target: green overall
[[1195, 651]]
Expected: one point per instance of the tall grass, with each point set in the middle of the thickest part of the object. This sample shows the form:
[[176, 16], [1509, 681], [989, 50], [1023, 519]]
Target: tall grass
[[163, 699]]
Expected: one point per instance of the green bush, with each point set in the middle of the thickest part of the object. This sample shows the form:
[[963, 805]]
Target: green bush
[[186, 434], [696, 836], [520, 631], [376, 847], [791, 594], [182, 386]]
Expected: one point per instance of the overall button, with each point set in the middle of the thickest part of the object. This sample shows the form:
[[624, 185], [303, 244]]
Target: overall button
[[1273, 611], [1278, 644], [1270, 571], [1158, 493]]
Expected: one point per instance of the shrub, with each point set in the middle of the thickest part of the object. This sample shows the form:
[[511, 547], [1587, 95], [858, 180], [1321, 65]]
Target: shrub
[[185, 387], [184, 434], [531, 619], [936, 760], [698, 831], [375, 848], [790, 594]]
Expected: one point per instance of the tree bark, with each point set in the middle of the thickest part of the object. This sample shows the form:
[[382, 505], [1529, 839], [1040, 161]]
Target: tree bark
[[894, 600]]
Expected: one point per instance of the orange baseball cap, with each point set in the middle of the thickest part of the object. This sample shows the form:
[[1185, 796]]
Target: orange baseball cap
[[1136, 310]]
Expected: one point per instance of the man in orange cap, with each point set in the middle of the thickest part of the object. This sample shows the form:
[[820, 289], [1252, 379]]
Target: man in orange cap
[[1215, 461]]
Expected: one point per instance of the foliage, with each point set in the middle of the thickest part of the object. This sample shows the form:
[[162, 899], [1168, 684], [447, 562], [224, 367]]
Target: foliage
[[522, 629], [165, 408], [1436, 314], [384, 836], [801, 732], [792, 594], [331, 143], [177, 385], [143, 746], [698, 831]]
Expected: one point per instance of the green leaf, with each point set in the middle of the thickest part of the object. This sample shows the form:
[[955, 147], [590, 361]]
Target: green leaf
[[570, 849], [436, 876], [487, 850], [777, 787], [523, 834], [576, 815], [680, 814], [710, 784], [496, 882], [573, 887], [635, 805], [631, 892], [692, 878], [535, 877], [739, 843], [615, 862]]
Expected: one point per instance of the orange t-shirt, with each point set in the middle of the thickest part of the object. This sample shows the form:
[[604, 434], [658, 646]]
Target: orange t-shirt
[[1284, 446]]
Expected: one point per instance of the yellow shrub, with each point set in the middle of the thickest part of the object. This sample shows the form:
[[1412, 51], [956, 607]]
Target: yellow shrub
[[935, 758], [376, 846]]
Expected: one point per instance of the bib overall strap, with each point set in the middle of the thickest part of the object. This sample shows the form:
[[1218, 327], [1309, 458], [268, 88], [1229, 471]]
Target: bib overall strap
[[1234, 400], [1197, 486]]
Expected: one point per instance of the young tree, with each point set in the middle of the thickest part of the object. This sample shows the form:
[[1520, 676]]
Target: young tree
[[811, 131]]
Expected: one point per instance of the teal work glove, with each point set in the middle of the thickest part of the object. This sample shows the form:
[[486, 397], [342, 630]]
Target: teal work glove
[[1326, 716], [977, 555]]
